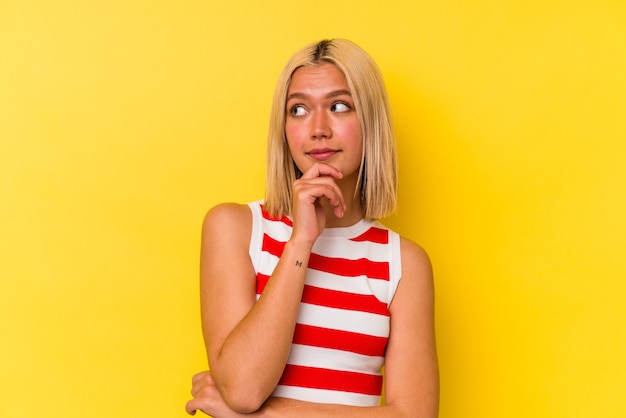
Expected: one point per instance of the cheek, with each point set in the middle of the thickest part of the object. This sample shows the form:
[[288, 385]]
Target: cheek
[[293, 133], [354, 133], [358, 140]]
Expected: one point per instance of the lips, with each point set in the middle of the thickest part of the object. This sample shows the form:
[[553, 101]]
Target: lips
[[322, 154]]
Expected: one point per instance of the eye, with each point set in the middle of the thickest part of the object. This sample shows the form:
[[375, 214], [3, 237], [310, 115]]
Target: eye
[[340, 107], [297, 110]]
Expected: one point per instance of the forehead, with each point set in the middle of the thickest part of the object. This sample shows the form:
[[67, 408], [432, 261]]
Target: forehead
[[326, 76]]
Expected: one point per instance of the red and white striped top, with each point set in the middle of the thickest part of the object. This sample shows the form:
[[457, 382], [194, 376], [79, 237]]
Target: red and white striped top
[[343, 326]]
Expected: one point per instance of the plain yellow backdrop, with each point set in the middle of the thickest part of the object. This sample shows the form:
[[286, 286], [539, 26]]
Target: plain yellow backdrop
[[122, 122]]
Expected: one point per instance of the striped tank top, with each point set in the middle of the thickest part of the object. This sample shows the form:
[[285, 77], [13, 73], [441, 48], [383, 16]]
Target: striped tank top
[[342, 328]]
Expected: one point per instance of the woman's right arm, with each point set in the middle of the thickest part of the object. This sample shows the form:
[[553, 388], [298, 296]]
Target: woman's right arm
[[247, 342]]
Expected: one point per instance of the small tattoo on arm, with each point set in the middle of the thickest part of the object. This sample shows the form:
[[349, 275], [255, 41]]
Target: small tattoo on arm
[[298, 263]]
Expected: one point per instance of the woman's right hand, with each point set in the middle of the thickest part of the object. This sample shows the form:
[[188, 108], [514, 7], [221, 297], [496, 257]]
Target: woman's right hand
[[206, 398], [311, 193]]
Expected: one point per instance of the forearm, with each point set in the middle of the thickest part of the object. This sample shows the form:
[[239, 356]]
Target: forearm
[[284, 408], [209, 400], [251, 359]]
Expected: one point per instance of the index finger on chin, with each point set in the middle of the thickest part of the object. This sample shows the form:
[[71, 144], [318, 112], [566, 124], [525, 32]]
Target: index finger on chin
[[321, 169]]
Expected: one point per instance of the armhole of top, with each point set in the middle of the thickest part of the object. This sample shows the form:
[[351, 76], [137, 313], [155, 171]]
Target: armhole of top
[[256, 235], [395, 265]]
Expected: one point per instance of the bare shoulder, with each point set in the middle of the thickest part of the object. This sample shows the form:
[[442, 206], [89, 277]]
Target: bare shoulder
[[232, 217], [228, 212], [415, 260], [416, 284]]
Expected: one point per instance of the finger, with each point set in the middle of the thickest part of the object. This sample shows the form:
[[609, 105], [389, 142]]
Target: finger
[[201, 387], [192, 406], [199, 376], [335, 199], [198, 404], [201, 384], [314, 189], [320, 169]]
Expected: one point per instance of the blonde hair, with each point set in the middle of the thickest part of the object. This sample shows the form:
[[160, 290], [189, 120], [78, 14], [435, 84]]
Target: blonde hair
[[378, 177]]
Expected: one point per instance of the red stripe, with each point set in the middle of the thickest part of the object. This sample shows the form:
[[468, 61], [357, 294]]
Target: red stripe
[[339, 266], [344, 300], [350, 268], [333, 298], [273, 246], [368, 345], [376, 235], [261, 282], [311, 377], [269, 217]]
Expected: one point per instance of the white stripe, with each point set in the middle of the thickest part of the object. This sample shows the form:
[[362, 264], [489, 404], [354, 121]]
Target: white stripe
[[380, 289], [351, 250], [395, 261], [327, 358], [256, 238], [352, 321], [359, 285], [278, 230], [326, 396], [267, 264]]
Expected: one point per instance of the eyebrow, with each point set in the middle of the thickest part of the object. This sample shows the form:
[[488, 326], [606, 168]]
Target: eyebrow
[[332, 94]]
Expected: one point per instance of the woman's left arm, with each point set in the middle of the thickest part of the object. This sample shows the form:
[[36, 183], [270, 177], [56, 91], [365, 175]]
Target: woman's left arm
[[411, 370]]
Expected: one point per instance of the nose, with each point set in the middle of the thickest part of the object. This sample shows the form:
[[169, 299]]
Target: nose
[[320, 126]]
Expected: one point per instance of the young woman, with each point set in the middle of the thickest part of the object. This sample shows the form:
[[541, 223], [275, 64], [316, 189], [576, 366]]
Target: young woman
[[304, 295]]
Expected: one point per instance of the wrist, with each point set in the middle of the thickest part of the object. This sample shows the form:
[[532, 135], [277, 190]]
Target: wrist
[[297, 253], [299, 246]]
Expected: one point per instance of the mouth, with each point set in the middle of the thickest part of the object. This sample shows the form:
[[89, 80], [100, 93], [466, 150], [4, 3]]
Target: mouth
[[321, 154]]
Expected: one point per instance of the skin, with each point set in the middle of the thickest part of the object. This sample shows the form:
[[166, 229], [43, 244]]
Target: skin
[[248, 342]]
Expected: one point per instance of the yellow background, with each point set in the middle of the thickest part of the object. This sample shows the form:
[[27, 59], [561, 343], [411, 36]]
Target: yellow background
[[122, 122]]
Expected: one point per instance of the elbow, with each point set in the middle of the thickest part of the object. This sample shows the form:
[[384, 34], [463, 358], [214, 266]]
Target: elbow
[[241, 388], [243, 398]]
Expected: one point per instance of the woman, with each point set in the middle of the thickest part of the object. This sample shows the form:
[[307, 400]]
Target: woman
[[305, 295]]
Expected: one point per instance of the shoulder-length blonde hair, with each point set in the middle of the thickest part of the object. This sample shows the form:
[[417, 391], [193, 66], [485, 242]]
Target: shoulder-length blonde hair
[[378, 177]]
